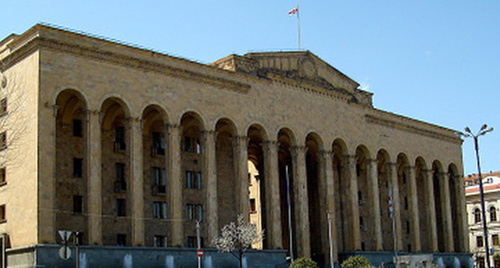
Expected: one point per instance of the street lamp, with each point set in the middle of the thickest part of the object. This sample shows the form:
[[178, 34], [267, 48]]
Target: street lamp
[[484, 129]]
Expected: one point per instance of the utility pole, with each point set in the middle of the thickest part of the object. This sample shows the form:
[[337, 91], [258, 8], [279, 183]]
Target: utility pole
[[198, 241], [330, 238]]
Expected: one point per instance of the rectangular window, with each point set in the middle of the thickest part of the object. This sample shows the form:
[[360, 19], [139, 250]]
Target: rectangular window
[[159, 181], [120, 182], [192, 242], [3, 106], [192, 145], [160, 210], [193, 180], [120, 139], [121, 240], [407, 227], [194, 212], [121, 207], [158, 144], [479, 241], [77, 204], [3, 176], [77, 128], [252, 206], [495, 240], [3, 140], [159, 241], [77, 167], [3, 214]]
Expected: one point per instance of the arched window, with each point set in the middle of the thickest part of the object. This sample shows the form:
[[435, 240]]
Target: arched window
[[493, 214], [477, 215]]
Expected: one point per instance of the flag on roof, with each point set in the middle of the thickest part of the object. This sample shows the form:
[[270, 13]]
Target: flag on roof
[[293, 11]]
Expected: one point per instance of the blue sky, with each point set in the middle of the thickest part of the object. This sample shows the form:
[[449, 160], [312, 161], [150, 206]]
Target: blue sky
[[436, 61]]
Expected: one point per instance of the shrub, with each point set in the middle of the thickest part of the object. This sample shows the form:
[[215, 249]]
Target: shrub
[[303, 263], [355, 262]]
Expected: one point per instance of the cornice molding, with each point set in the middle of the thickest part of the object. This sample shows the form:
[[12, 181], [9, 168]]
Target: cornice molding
[[379, 120], [39, 42]]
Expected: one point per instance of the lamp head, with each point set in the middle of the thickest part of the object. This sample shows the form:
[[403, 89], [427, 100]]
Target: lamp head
[[484, 127], [467, 129]]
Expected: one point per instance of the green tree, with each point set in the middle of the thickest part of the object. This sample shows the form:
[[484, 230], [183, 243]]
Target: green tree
[[355, 262], [303, 263]]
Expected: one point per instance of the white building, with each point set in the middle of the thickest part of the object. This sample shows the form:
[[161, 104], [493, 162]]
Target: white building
[[491, 185]]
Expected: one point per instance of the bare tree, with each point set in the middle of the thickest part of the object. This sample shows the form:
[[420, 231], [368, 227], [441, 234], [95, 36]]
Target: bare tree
[[13, 121], [237, 238]]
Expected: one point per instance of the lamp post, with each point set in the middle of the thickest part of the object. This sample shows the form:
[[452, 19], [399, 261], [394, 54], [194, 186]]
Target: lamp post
[[484, 129]]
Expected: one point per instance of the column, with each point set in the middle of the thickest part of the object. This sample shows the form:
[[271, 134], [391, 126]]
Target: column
[[301, 202], [136, 181], [327, 183], [375, 201], [174, 183], [241, 168], [94, 182], [354, 236], [415, 220], [47, 175], [429, 183], [396, 203], [210, 175], [272, 190], [446, 210]]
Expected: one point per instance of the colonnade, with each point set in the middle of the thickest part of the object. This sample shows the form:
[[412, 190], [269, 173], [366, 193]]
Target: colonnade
[[358, 218]]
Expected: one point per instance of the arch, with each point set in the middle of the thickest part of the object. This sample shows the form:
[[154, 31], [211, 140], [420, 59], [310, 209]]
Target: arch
[[365, 199], [439, 200], [385, 188], [341, 182], [455, 191], [71, 191], [286, 140], [71, 90], [403, 175], [316, 194], [257, 136], [228, 192], [112, 110], [154, 150]]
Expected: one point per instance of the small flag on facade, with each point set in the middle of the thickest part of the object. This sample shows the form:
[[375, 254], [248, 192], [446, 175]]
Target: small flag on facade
[[293, 11]]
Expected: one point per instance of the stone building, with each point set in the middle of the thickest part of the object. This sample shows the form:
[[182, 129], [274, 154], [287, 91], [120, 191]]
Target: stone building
[[130, 147], [491, 186]]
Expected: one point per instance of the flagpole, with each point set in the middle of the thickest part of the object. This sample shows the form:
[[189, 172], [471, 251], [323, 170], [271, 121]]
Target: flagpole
[[298, 24], [289, 212]]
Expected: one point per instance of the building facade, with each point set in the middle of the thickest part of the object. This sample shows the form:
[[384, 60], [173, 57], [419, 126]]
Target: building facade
[[491, 186], [130, 147]]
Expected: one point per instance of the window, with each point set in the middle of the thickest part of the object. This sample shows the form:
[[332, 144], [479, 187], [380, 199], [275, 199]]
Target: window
[[194, 212], [192, 242], [3, 140], [192, 145], [120, 183], [3, 214], [361, 224], [77, 204], [160, 210], [159, 241], [253, 208], [360, 198], [121, 240], [77, 167], [158, 144], [3, 176], [495, 240], [193, 180], [77, 128], [479, 241], [407, 227], [3, 106], [493, 214], [406, 202], [120, 139], [121, 207], [477, 215], [159, 181]]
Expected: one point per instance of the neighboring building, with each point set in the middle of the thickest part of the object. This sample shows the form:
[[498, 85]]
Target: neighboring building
[[131, 147], [491, 187]]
